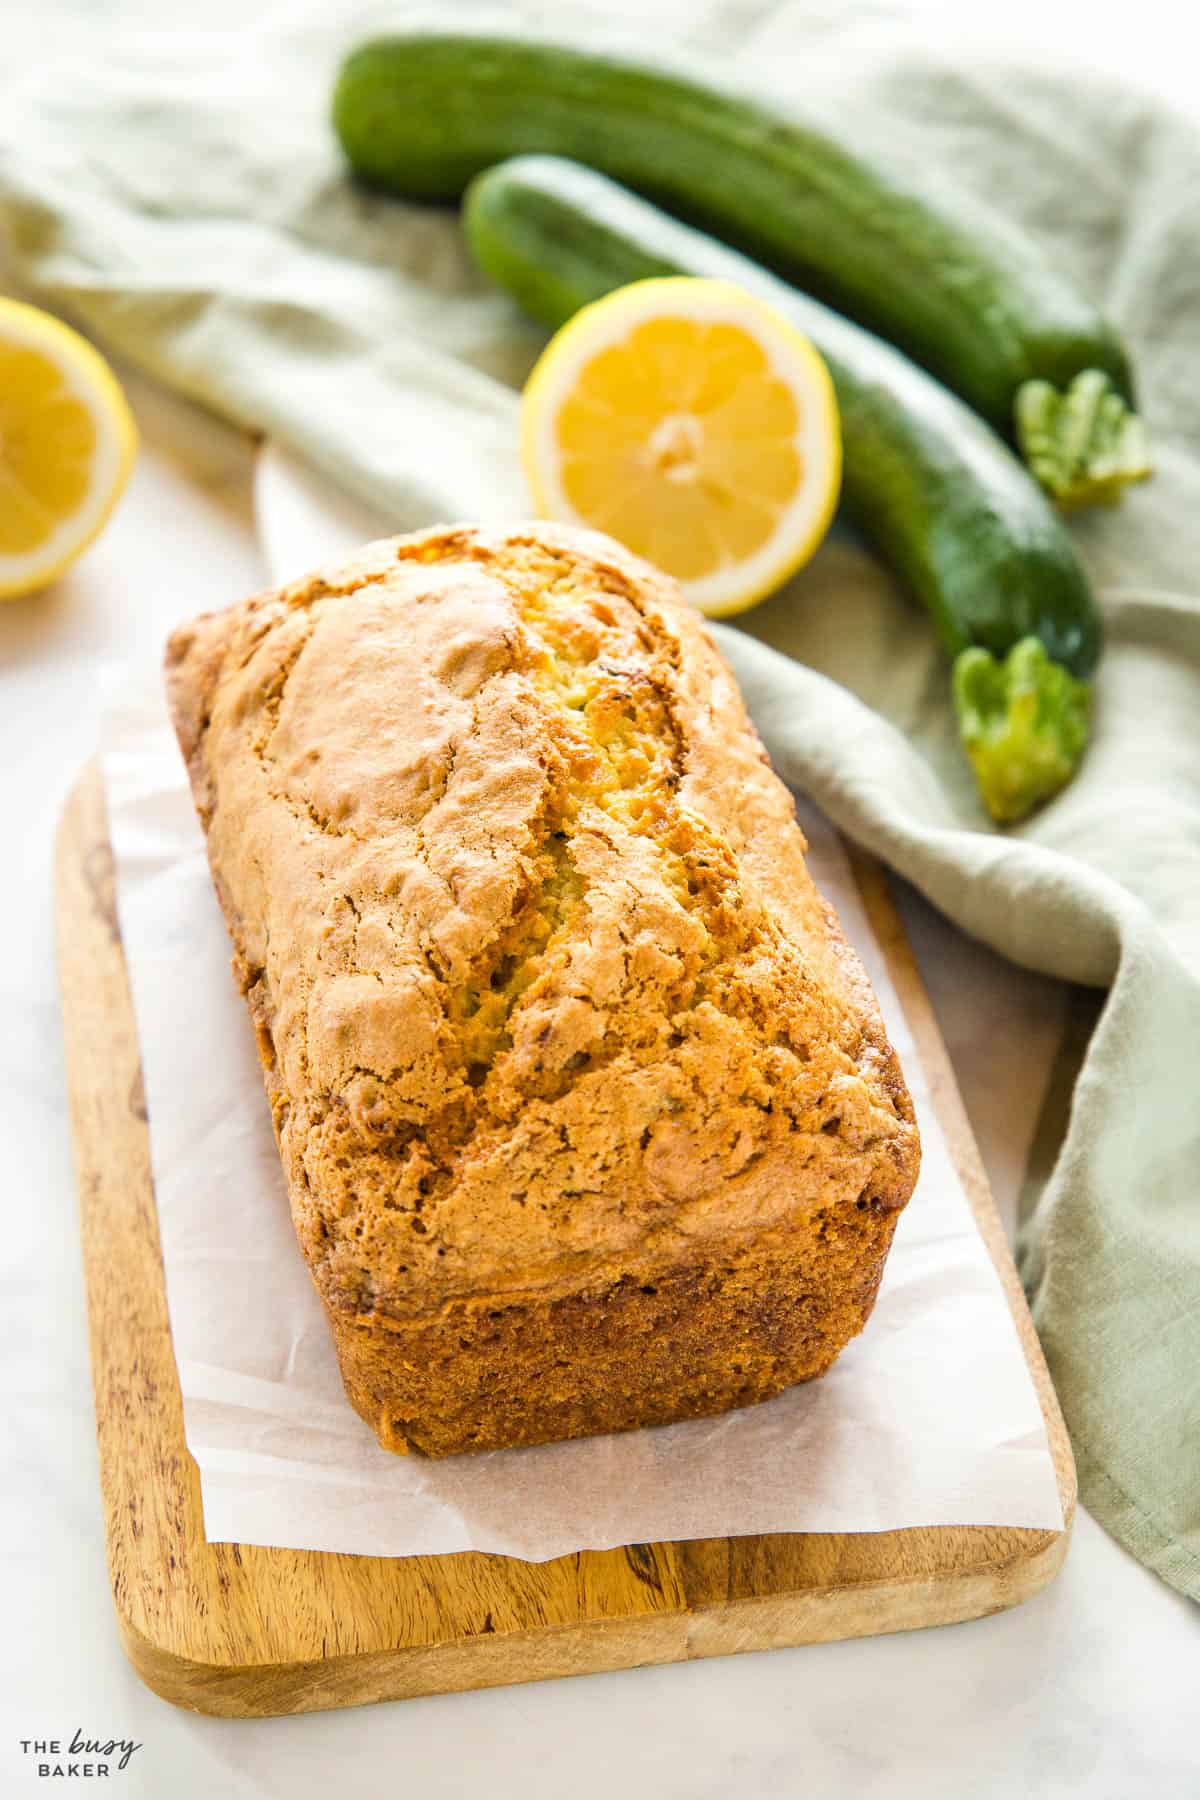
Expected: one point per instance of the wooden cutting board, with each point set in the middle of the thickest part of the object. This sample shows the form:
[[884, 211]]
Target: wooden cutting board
[[245, 1631]]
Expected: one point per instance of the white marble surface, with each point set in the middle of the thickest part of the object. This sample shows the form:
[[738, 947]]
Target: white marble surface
[[1087, 1690]]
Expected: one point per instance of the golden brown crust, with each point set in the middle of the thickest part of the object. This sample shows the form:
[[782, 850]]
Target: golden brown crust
[[738, 1323], [551, 1015]]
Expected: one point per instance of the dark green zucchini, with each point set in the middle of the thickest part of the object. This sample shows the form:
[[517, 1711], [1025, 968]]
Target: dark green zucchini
[[423, 112], [943, 500]]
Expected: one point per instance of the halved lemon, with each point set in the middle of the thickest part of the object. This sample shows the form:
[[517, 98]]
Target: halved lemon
[[695, 424], [67, 443]]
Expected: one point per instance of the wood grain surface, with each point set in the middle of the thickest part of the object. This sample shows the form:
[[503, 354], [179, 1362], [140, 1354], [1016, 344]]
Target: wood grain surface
[[245, 1631]]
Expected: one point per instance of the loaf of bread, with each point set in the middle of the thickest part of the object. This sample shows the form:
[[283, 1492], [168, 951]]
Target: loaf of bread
[[587, 1114]]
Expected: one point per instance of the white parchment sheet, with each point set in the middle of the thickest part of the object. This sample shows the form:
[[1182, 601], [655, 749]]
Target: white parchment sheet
[[928, 1418]]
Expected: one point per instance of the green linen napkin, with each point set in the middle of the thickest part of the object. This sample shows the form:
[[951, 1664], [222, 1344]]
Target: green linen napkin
[[191, 210]]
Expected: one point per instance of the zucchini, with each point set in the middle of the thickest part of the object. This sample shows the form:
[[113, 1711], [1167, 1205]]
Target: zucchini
[[938, 494], [961, 290]]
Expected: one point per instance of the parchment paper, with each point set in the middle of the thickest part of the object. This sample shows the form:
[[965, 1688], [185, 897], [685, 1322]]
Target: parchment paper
[[930, 1417]]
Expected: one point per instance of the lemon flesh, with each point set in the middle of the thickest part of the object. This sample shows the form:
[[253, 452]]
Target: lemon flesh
[[67, 443], [696, 425]]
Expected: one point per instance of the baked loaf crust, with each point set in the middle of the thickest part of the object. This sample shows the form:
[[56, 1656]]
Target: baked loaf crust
[[586, 1110]]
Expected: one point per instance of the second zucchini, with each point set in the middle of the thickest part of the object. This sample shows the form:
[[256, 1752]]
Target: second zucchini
[[941, 497]]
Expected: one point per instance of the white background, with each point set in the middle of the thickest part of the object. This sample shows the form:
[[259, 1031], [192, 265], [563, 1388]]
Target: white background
[[1090, 1689]]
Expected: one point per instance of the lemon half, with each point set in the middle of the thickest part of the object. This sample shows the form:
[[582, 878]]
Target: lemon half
[[695, 424], [67, 443]]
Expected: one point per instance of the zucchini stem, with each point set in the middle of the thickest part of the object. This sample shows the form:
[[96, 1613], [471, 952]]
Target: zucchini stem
[[1023, 721], [1083, 446]]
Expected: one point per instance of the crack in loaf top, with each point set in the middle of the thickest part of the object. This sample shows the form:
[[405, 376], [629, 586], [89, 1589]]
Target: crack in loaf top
[[542, 984]]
